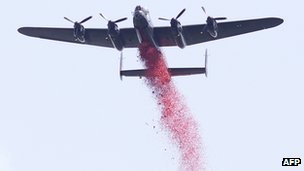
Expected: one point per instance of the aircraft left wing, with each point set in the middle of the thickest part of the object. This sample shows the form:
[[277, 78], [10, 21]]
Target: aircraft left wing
[[97, 37]]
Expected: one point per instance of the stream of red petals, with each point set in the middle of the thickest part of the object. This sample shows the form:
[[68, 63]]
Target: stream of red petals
[[175, 116]]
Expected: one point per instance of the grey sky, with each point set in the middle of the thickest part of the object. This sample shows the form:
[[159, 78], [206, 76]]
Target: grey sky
[[63, 107]]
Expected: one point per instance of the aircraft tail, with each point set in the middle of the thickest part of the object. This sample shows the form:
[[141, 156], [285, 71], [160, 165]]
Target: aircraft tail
[[206, 63], [120, 66], [173, 71]]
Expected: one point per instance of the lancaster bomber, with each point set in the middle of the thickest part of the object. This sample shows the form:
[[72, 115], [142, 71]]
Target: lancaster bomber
[[173, 35]]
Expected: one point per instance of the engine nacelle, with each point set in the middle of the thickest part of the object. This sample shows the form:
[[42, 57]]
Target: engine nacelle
[[212, 27], [79, 32], [114, 36], [177, 32]]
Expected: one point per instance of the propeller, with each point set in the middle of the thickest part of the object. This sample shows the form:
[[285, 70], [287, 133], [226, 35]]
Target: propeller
[[220, 18], [180, 14], [85, 20], [79, 30], [116, 21], [81, 22], [211, 25], [69, 20], [216, 18]]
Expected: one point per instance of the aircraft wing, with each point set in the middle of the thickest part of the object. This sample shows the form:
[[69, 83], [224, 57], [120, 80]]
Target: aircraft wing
[[192, 33], [162, 35], [97, 37]]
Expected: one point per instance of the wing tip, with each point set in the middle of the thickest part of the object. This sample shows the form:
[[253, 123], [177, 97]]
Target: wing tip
[[274, 21], [278, 21], [24, 31], [21, 30]]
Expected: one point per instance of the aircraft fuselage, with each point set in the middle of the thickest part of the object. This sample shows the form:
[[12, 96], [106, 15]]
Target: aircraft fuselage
[[143, 26]]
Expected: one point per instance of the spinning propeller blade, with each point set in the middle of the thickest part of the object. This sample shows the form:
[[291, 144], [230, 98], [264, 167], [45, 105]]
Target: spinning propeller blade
[[164, 19], [204, 10], [217, 18], [85, 20], [88, 18], [120, 20], [117, 21], [181, 13], [220, 18], [69, 20], [103, 17]]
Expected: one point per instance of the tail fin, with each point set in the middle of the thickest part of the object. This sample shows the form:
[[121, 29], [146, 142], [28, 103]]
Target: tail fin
[[206, 63], [120, 66]]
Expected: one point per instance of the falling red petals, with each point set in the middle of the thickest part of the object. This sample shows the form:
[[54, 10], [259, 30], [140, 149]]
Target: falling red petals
[[176, 118]]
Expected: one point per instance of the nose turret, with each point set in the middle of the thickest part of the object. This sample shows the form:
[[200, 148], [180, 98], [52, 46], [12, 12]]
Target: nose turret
[[138, 8], [140, 18]]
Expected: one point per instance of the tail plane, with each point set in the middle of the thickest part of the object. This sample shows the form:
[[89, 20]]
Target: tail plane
[[173, 71]]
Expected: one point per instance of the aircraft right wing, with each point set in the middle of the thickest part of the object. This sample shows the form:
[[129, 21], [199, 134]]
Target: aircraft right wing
[[192, 33]]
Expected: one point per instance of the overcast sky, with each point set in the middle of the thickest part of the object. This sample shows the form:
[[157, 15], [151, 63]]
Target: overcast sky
[[64, 108]]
